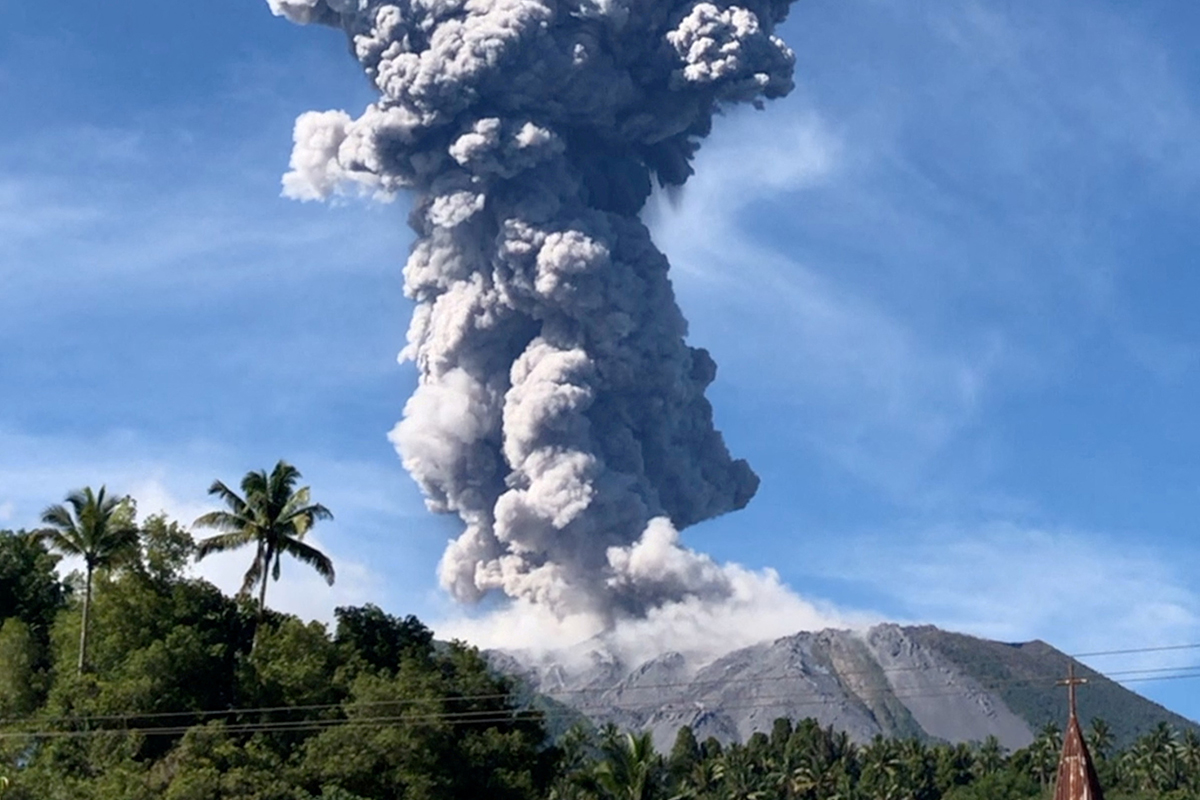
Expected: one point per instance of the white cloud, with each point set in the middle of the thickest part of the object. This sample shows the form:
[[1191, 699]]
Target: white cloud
[[299, 590], [878, 398], [29, 212], [38, 471], [760, 608], [1082, 592]]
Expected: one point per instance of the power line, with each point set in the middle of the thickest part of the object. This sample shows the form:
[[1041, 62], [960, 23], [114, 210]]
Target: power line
[[1138, 650], [495, 716], [564, 692]]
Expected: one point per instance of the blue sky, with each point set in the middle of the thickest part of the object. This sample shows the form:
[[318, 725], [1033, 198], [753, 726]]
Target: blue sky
[[946, 283]]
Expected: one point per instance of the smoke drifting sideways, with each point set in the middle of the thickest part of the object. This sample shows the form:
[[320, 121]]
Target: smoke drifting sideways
[[559, 413]]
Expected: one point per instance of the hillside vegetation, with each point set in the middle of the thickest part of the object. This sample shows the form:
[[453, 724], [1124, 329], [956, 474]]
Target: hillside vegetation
[[187, 695], [1018, 673]]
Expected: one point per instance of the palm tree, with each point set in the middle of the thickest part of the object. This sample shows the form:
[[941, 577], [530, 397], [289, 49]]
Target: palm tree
[[273, 515], [740, 774], [1100, 738], [631, 769], [97, 528], [1189, 757], [701, 782], [1045, 752], [990, 758], [1162, 756], [883, 768]]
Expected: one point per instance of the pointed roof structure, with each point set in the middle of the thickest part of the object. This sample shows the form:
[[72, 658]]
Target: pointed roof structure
[[1077, 778]]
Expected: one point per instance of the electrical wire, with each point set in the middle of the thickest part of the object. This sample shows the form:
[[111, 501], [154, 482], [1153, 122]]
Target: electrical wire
[[497, 716], [554, 693], [1161, 649]]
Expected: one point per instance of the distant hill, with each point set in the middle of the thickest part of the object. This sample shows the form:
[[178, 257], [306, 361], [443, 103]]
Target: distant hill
[[889, 680], [1022, 674]]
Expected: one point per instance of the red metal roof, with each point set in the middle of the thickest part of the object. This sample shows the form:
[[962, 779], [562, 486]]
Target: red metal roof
[[1077, 778], [1076, 775]]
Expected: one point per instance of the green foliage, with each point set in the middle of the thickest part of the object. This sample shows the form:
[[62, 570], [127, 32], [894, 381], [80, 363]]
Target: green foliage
[[804, 761], [685, 753], [293, 665], [451, 732], [1018, 673], [192, 695], [1007, 785], [274, 516], [630, 769], [96, 526], [29, 588], [18, 669], [378, 640], [167, 549], [210, 763], [99, 528]]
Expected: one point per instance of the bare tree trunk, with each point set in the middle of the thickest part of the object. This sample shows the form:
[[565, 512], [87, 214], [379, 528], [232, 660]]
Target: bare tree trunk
[[83, 629], [262, 601], [262, 597]]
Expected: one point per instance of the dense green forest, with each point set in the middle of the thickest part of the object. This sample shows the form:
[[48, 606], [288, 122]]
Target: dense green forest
[[178, 691]]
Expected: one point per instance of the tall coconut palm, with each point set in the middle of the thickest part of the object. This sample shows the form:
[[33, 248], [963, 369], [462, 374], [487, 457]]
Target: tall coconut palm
[[97, 528], [631, 770], [274, 516]]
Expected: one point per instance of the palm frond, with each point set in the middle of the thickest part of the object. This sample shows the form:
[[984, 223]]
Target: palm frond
[[236, 504], [81, 499], [92, 525], [274, 514], [284, 476], [254, 484], [62, 541], [311, 556], [106, 504], [303, 518], [280, 487], [223, 521], [116, 547], [58, 516], [223, 542]]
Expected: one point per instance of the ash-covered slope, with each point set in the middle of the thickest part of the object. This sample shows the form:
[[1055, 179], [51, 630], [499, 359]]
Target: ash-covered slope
[[889, 680]]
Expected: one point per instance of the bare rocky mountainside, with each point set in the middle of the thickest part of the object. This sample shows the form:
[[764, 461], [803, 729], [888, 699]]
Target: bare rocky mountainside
[[889, 680]]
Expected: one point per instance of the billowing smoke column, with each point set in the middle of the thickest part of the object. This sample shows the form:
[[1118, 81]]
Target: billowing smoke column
[[560, 413]]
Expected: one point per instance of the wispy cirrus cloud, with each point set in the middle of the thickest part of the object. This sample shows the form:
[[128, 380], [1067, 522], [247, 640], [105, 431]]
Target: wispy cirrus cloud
[[1081, 590], [876, 396], [948, 232]]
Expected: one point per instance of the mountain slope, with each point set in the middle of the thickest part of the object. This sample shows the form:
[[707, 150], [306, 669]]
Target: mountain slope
[[888, 680], [1022, 674]]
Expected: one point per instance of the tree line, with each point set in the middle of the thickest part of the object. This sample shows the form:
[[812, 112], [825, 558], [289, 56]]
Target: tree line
[[130, 678], [271, 514], [805, 761]]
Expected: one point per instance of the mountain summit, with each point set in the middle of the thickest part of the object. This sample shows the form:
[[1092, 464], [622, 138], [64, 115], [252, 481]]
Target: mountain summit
[[888, 680]]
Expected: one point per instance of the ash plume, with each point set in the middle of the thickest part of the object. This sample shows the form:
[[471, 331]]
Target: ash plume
[[560, 413]]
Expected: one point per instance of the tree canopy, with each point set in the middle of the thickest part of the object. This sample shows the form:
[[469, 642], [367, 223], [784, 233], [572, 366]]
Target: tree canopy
[[97, 527], [194, 695], [274, 516]]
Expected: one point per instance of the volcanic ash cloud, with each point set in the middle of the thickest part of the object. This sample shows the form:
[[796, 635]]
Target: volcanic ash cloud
[[560, 412]]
